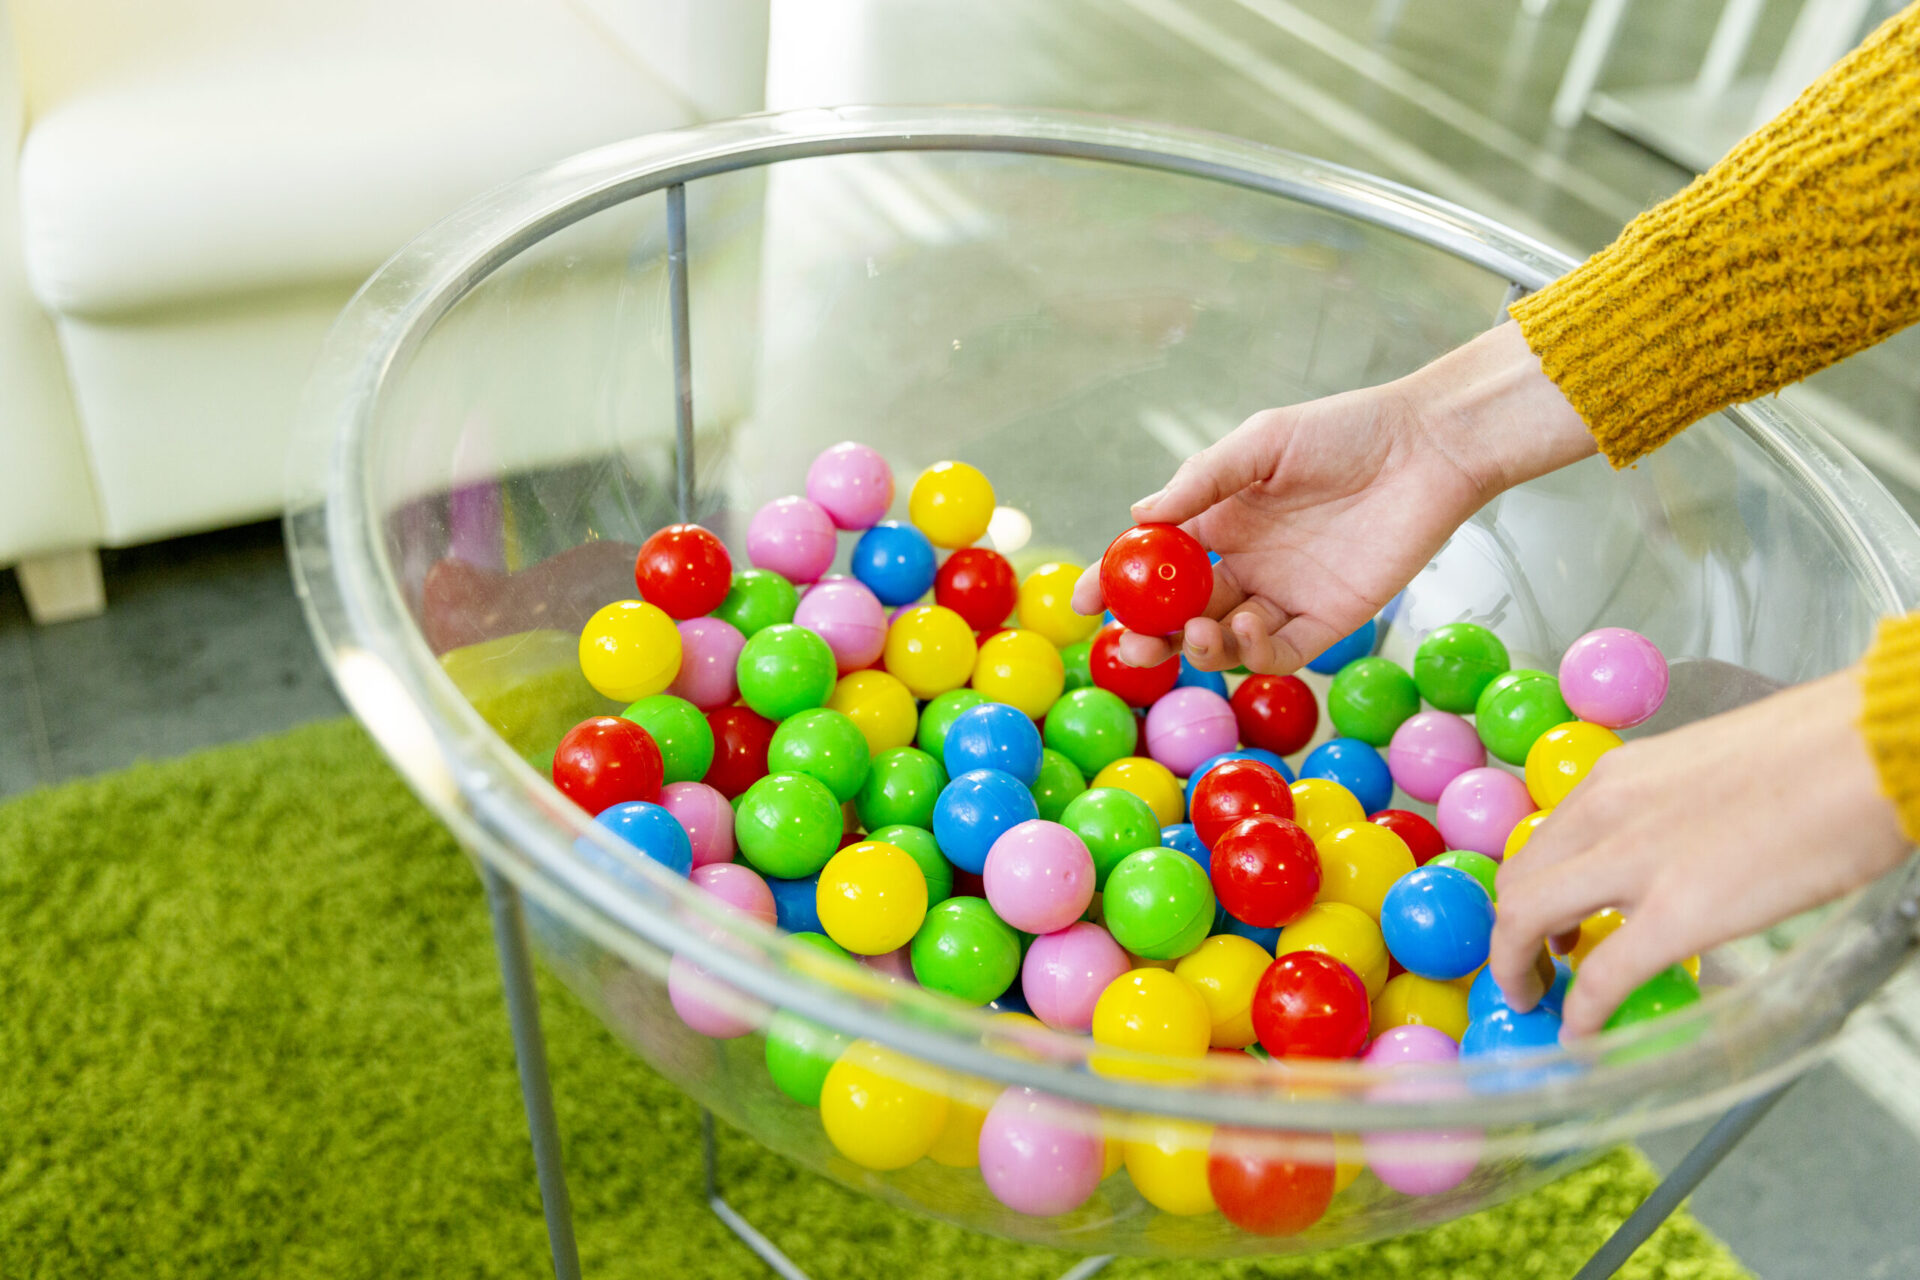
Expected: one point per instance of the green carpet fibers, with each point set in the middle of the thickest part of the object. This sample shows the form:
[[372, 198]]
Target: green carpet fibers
[[252, 1026]]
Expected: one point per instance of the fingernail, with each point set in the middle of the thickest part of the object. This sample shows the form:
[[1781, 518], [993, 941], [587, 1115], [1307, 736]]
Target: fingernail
[[1150, 499]]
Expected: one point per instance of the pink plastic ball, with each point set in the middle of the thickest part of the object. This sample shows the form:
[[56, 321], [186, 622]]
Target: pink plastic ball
[[896, 965], [1039, 876], [1411, 1045], [739, 886], [1425, 1162], [1190, 726], [1065, 972], [709, 657], [706, 816], [849, 617], [793, 537], [852, 484], [1478, 809], [1040, 1155], [1431, 749], [710, 1006], [1613, 677]]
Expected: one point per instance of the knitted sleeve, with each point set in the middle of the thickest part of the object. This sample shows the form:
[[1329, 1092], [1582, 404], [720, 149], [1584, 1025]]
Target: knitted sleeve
[[1800, 247]]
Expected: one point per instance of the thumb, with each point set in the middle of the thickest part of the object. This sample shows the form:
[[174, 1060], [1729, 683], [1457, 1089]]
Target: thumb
[[1214, 474]]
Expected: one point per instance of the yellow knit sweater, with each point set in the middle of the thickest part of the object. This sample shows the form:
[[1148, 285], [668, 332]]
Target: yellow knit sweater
[[1799, 248]]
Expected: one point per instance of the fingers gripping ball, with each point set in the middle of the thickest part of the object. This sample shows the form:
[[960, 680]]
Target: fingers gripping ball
[[1455, 664], [1149, 1011], [1346, 933], [605, 760], [873, 897], [963, 949], [684, 569], [1323, 806], [881, 1109], [993, 735], [931, 649], [1039, 877], [895, 561], [852, 484], [1226, 970], [1359, 864], [1370, 698], [1562, 757], [788, 825], [1189, 727], [1236, 790], [826, 746], [1276, 713], [1152, 781], [1271, 1184], [1613, 677], [629, 650], [1309, 1005], [1594, 930], [1046, 605], [1437, 922], [785, 669], [1515, 709], [683, 735], [1265, 871], [902, 788], [1354, 765], [1021, 669], [758, 599], [952, 504], [1155, 577], [848, 617], [1112, 824], [1136, 686], [1039, 1155], [1158, 904], [976, 809], [883, 709], [793, 537], [1092, 728], [979, 585]]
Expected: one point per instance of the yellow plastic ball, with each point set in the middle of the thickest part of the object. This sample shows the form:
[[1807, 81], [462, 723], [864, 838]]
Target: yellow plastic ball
[[1322, 805], [882, 708], [877, 1108], [951, 503], [1021, 669], [931, 649], [958, 1146], [1522, 832], [1562, 756], [1046, 605], [1168, 1165], [1224, 970], [1359, 863], [630, 650], [1151, 781], [872, 897], [1344, 932], [1149, 1011], [1409, 1000], [1349, 1159], [1692, 965], [1593, 931], [1112, 1155]]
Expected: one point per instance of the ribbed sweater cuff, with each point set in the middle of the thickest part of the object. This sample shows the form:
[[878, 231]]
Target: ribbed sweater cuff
[[1890, 715]]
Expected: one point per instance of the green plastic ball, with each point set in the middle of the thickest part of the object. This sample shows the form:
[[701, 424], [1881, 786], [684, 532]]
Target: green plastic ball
[[1112, 824], [901, 786], [1058, 784], [1158, 904], [1667, 991], [1477, 865], [1092, 728], [965, 950], [925, 850], [784, 670], [1515, 709], [684, 736], [1370, 698], [940, 712], [1455, 664], [799, 1052], [758, 599], [822, 744], [788, 825], [1077, 658]]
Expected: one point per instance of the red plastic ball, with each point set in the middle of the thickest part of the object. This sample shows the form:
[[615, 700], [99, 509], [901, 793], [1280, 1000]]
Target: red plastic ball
[[684, 569], [1267, 1193], [1234, 790], [1421, 836], [979, 585], [604, 761], [1155, 577], [740, 740], [1276, 713], [1265, 871], [1136, 686], [1309, 1005]]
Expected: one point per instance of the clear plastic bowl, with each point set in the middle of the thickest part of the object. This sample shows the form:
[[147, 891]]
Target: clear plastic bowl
[[1071, 304]]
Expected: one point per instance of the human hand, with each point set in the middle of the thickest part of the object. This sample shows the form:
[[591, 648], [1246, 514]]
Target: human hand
[[1698, 836], [1321, 512]]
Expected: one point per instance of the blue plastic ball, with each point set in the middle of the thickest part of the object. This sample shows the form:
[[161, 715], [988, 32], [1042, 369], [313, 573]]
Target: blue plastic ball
[[895, 561], [796, 904], [1356, 766], [1506, 1034], [1012, 1000], [1437, 922], [1240, 753], [1229, 923], [1192, 677], [1183, 837], [648, 828], [1484, 996], [1357, 645], [993, 735], [974, 810]]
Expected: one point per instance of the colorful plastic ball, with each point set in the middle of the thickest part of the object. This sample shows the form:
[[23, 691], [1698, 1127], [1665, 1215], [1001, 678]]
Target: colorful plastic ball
[[1235, 790], [1022, 669], [966, 951], [785, 669], [1479, 808], [1158, 904], [1310, 1005], [976, 809], [652, 831], [993, 735], [793, 537], [1149, 1011], [940, 713], [1155, 577], [1455, 664], [1411, 1000], [931, 649], [1192, 677], [1483, 869], [1066, 970], [1360, 863], [1182, 838], [873, 897], [758, 599], [1265, 871], [629, 649], [1485, 995], [1503, 1033], [1437, 922], [1039, 877], [796, 903], [1431, 749], [1323, 806], [1422, 837], [1151, 781], [1112, 824], [710, 1006], [925, 851], [1671, 989], [824, 745], [684, 569], [709, 658], [704, 814], [799, 1054], [1425, 1162], [1225, 970], [1057, 786], [951, 503], [1522, 832], [1370, 699], [1562, 757], [1346, 933], [979, 585], [1168, 1166], [1040, 1156], [1188, 727], [896, 966], [1267, 938], [1267, 758], [1046, 605], [787, 825], [1135, 686], [1266, 1191], [1516, 709], [848, 617], [882, 708], [958, 1146], [902, 787], [878, 1108], [683, 735], [1351, 648], [1613, 677], [605, 760], [1077, 661], [895, 561], [740, 887], [852, 484], [1594, 930], [1092, 728], [740, 740], [1275, 713], [1354, 765]]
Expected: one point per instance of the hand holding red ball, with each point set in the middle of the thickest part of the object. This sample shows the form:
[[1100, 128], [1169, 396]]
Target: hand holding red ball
[[1155, 577]]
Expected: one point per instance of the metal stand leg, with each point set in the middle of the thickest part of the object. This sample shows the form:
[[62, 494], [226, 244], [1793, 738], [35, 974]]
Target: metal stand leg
[[530, 1053], [1676, 1186]]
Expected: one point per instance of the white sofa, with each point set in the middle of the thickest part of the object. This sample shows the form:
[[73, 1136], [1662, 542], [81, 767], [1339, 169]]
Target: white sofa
[[202, 183]]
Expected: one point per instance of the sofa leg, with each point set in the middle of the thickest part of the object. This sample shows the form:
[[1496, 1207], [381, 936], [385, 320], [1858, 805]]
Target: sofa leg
[[63, 586]]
